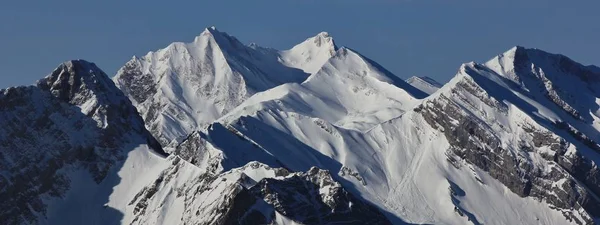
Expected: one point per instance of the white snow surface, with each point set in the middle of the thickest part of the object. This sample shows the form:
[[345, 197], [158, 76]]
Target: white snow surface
[[349, 91]]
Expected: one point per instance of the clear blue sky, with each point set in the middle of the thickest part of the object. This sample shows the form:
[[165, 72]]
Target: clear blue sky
[[418, 37]]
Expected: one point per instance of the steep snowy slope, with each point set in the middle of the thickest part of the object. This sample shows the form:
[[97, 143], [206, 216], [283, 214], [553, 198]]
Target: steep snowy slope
[[482, 149], [61, 143], [186, 86], [425, 84], [349, 91]]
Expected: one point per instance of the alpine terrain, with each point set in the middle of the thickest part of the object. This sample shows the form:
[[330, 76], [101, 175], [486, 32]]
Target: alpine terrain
[[215, 131]]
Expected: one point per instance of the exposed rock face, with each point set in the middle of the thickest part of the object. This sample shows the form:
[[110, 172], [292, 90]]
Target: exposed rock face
[[530, 154], [552, 77], [315, 198], [73, 118], [253, 194]]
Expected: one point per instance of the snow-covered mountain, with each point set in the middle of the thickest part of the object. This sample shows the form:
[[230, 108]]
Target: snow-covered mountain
[[186, 86], [74, 150], [317, 134], [512, 118], [425, 84], [483, 149]]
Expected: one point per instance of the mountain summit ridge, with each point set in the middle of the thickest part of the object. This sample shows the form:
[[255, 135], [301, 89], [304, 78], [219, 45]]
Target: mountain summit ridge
[[187, 86]]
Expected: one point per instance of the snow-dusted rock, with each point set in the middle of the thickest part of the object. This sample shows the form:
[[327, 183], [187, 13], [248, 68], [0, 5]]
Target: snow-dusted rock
[[62, 138], [252, 194]]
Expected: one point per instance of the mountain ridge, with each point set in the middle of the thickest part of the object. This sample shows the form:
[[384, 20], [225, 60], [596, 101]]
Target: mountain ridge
[[425, 84], [197, 73], [218, 132]]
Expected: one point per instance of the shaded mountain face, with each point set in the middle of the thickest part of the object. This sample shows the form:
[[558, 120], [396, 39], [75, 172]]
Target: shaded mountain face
[[75, 119]]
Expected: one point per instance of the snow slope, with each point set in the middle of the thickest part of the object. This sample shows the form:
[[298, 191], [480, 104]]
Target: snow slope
[[349, 91]]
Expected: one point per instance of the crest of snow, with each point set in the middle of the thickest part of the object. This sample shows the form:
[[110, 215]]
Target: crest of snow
[[425, 84], [350, 90]]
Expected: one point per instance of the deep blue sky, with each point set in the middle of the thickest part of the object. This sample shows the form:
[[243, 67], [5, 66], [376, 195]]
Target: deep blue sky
[[418, 37]]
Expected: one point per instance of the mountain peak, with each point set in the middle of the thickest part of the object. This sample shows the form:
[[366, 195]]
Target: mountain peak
[[323, 39], [76, 65], [222, 39], [75, 68], [311, 54], [74, 76], [347, 63], [526, 59], [212, 30]]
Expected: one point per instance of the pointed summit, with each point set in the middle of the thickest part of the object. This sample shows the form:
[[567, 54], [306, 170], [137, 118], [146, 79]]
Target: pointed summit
[[349, 64], [554, 77], [75, 80], [323, 38], [311, 54], [222, 40]]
